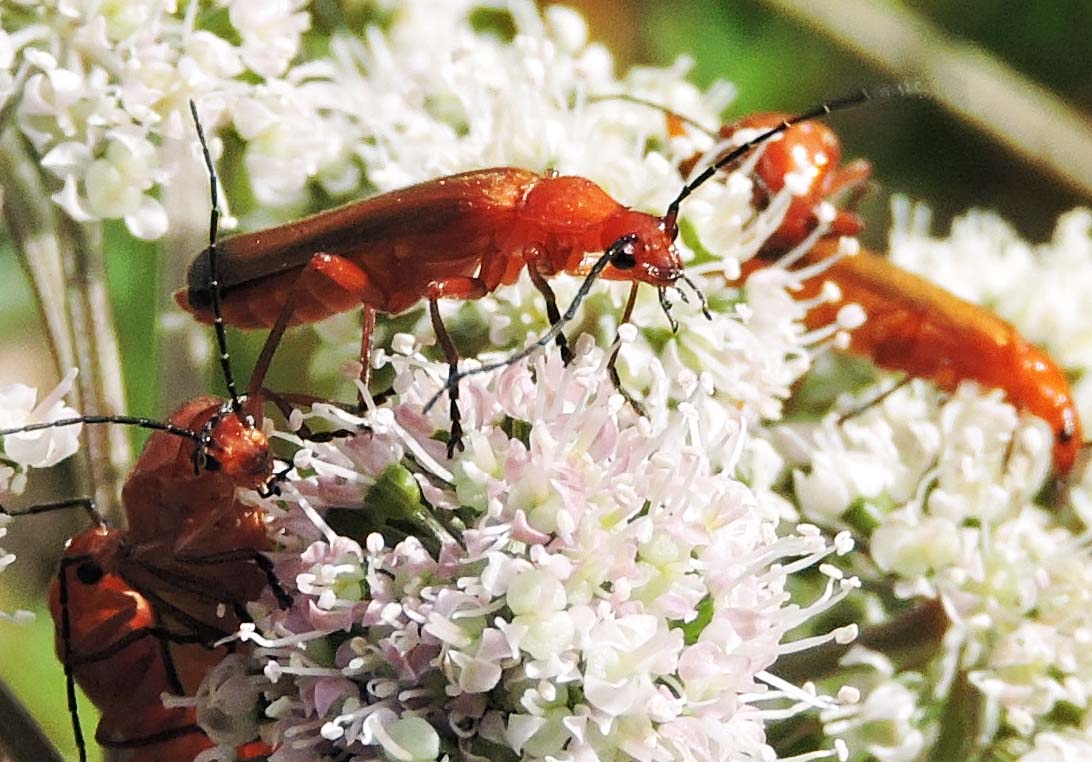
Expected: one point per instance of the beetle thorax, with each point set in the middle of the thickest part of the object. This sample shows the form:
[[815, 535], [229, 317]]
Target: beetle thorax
[[563, 218]]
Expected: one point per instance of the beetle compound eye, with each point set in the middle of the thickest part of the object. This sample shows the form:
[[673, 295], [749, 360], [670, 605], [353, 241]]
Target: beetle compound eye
[[625, 257], [89, 572]]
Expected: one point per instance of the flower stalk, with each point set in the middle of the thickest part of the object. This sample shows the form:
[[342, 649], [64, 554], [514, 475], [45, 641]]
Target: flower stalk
[[66, 265], [24, 739]]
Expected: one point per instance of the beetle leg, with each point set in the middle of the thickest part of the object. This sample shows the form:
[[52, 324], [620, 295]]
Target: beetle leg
[[551, 311], [106, 739], [879, 398], [259, 559], [319, 270], [165, 608], [451, 353], [160, 633], [533, 255], [852, 181], [612, 370], [287, 403], [459, 287], [853, 178]]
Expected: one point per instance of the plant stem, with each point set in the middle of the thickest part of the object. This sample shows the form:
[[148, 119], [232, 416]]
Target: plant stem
[[23, 739], [66, 265], [909, 640], [1016, 111]]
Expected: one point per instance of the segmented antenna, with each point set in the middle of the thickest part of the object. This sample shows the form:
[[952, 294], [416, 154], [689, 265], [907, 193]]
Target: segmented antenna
[[214, 280], [66, 657], [124, 420], [670, 219], [626, 97], [849, 101], [60, 505], [617, 249]]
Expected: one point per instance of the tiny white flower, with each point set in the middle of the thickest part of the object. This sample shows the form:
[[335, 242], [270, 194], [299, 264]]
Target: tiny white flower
[[45, 447], [411, 739], [271, 32]]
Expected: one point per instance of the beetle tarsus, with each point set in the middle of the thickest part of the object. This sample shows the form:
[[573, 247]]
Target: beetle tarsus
[[455, 441], [666, 305], [612, 371]]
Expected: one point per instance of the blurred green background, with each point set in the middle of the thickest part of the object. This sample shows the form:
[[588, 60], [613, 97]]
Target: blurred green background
[[917, 148]]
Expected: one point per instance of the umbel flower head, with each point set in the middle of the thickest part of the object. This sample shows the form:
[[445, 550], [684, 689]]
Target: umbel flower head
[[612, 588], [582, 582]]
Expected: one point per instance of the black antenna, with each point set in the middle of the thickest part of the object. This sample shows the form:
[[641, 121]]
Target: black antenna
[[73, 502], [66, 657], [849, 101], [124, 420], [694, 123], [670, 218], [214, 280]]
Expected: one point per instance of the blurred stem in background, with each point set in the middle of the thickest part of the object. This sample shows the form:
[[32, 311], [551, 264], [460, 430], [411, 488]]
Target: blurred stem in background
[[65, 262], [976, 86], [23, 738], [1024, 66]]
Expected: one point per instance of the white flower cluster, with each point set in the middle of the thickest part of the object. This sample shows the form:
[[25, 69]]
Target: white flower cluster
[[104, 104], [100, 91], [411, 109], [581, 583], [613, 592], [616, 589], [886, 724]]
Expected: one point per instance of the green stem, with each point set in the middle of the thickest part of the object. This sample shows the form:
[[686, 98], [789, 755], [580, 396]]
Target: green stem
[[959, 724]]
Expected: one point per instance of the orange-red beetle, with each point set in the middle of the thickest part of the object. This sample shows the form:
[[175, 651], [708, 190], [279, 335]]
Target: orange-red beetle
[[133, 622], [813, 153], [921, 329], [455, 237], [913, 325], [111, 642], [136, 610]]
